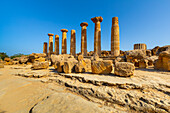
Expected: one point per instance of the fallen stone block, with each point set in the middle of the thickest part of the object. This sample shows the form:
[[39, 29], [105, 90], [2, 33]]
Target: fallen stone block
[[125, 69], [102, 67]]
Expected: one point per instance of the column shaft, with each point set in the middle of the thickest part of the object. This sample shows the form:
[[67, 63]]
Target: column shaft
[[45, 48], [56, 44], [115, 42], [73, 43]]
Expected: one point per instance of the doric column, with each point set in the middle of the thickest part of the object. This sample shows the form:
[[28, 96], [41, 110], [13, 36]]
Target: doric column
[[115, 42], [56, 44], [50, 43], [84, 38], [73, 43], [140, 46], [45, 48], [64, 41], [97, 34]]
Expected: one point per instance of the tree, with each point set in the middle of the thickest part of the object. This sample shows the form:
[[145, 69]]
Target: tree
[[3, 55]]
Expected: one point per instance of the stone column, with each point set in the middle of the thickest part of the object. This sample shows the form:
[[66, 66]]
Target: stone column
[[64, 41], [73, 43], [140, 46], [56, 44], [97, 35], [84, 38], [115, 42], [45, 48], [50, 43]]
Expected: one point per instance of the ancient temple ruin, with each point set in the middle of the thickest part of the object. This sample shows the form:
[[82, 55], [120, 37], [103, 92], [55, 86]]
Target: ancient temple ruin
[[115, 41]]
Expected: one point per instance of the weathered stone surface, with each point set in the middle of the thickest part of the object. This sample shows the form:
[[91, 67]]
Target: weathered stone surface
[[140, 46], [40, 65], [50, 51], [154, 50], [97, 34], [1, 65], [80, 57], [83, 66], [143, 63], [64, 41], [73, 43], [148, 53], [40, 59], [125, 69], [102, 67], [163, 62], [151, 60], [23, 59], [96, 57], [115, 42], [69, 66], [164, 48], [66, 103], [7, 59], [135, 54], [57, 58], [84, 38]]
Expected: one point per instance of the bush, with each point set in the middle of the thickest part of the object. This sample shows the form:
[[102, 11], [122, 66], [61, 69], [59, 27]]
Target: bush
[[16, 55], [3, 55]]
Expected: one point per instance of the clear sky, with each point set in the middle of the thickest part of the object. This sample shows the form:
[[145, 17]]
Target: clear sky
[[24, 24]]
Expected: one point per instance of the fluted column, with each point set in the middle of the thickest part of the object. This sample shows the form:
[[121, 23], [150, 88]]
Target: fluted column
[[73, 43], [115, 42], [84, 38], [45, 48], [64, 41], [97, 35], [56, 44], [50, 43]]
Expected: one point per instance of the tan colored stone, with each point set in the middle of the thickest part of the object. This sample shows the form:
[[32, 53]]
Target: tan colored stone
[[125, 69], [69, 66], [50, 43], [163, 62], [97, 34], [73, 43], [84, 38], [143, 63], [102, 67], [64, 41], [40, 65], [1, 65], [83, 65], [56, 45], [140, 46], [115, 41], [45, 48]]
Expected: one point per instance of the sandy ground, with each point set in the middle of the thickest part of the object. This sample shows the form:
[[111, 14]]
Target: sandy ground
[[148, 90]]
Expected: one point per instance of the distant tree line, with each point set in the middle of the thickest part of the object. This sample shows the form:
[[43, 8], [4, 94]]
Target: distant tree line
[[3, 55]]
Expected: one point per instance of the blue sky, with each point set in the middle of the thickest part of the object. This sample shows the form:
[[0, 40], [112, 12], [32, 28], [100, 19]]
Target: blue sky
[[24, 24]]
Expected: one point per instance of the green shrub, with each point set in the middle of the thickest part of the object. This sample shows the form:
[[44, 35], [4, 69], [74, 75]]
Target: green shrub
[[3, 55]]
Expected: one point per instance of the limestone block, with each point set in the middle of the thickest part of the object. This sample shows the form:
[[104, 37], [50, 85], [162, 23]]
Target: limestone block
[[40, 65], [1, 65], [163, 62], [143, 63], [83, 66], [102, 67], [151, 60], [125, 69], [69, 66]]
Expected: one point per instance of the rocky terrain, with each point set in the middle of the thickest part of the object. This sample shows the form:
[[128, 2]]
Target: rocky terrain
[[24, 90]]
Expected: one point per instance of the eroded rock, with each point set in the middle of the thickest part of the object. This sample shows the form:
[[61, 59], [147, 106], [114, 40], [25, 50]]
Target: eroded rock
[[125, 69], [40, 65], [102, 67]]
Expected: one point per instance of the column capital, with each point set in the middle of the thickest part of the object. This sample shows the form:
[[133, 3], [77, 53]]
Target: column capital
[[73, 30], [50, 34], [84, 24], [115, 20], [64, 30], [56, 36], [97, 19]]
